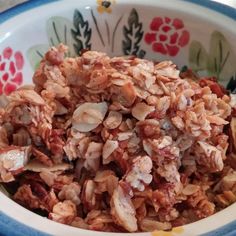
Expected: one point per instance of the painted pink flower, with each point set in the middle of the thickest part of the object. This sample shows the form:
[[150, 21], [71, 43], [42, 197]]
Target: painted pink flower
[[167, 35], [11, 65]]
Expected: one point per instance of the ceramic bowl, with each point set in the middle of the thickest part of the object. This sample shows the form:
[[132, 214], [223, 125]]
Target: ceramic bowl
[[198, 34]]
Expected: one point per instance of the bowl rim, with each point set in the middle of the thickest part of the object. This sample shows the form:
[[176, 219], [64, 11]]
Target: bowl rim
[[224, 9], [42, 226], [26, 6]]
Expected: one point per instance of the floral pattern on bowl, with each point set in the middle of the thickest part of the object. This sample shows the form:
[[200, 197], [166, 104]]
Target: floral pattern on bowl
[[167, 36], [11, 65]]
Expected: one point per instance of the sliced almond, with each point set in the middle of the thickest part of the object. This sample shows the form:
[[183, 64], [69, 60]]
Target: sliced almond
[[191, 189], [217, 120], [14, 158], [233, 130], [122, 210], [147, 147], [37, 166], [88, 116], [141, 110], [124, 135], [167, 69], [29, 95], [113, 120], [109, 147]]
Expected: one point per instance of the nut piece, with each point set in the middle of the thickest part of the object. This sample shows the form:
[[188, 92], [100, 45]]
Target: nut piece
[[109, 147], [141, 110], [140, 175], [63, 212], [167, 69], [37, 166], [12, 161], [27, 95], [190, 189], [148, 225], [70, 192], [233, 130], [113, 120], [92, 156], [209, 156], [88, 194], [106, 181], [48, 177], [122, 210], [88, 116]]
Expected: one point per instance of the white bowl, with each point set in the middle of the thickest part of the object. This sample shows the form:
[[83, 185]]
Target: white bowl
[[203, 35]]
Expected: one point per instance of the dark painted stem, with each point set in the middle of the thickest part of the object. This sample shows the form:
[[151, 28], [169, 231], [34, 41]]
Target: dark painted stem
[[108, 32], [114, 33], [96, 25]]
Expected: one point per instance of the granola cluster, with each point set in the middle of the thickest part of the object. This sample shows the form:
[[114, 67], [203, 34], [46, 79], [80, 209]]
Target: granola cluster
[[118, 144]]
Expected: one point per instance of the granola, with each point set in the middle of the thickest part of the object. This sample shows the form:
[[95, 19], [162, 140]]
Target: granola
[[118, 144]]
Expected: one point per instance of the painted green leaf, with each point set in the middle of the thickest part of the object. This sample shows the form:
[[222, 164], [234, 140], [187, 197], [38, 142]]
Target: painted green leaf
[[231, 86], [81, 34], [36, 53], [59, 31], [221, 61], [197, 56], [133, 35]]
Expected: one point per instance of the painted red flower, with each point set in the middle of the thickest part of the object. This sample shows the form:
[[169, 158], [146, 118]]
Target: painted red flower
[[11, 65], [167, 35]]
